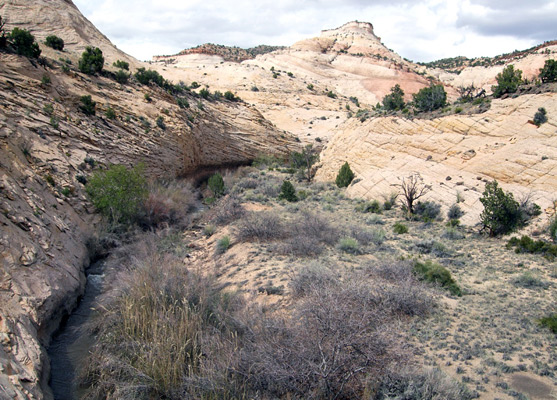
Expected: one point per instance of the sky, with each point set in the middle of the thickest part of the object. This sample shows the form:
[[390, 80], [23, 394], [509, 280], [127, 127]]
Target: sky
[[423, 30]]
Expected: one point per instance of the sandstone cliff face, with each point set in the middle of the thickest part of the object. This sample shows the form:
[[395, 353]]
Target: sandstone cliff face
[[47, 145], [349, 61], [455, 154]]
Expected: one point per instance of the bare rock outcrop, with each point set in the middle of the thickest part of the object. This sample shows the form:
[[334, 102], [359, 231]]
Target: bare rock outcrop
[[455, 154]]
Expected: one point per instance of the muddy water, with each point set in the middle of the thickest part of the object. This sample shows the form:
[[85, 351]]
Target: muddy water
[[70, 345]]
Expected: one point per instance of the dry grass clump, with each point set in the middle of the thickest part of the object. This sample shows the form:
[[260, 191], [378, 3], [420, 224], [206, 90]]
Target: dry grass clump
[[337, 342], [167, 205], [261, 226], [157, 330], [431, 384], [227, 210]]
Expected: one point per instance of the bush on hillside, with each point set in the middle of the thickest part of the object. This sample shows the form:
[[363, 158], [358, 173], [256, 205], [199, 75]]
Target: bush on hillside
[[549, 71], [394, 100], [437, 274], [87, 105], [508, 81], [121, 65], [147, 76], [91, 61], [540, 117], [23, 43], [118, 192], [55, 42], [430, 98]]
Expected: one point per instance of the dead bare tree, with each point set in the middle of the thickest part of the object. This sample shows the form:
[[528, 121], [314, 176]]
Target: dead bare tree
[[413, 187]]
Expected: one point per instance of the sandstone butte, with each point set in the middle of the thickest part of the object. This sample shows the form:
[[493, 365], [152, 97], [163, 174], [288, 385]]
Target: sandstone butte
[[284, 100]]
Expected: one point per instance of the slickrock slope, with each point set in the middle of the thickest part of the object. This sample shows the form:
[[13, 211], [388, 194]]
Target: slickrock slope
[[456, 154], [529, 62], [290, 86], [61, 18], [47, 147]]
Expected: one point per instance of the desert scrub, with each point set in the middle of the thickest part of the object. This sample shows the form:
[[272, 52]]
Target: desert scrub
[[345, 176], [529, 280], [349, 245], [287, 192], [549, 322], [223, 244], [527, 245], [373, 207], [260, 226], [427, 211], [437, 274], [154, 337], [399, 228]]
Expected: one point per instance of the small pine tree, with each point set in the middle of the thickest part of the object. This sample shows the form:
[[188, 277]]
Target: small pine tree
[[216, 185], [430, 98], [501, 212], [287, 192], [345, 176], [394, 100], [23, 42], [91, 61], [549, 71], [508, 81]]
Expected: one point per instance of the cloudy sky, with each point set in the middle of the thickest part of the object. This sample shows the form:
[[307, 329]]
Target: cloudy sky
[[422, 30]]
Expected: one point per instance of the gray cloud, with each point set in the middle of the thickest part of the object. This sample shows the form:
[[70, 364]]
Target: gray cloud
[[420, 30]]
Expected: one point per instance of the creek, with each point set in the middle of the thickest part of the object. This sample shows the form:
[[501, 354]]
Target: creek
[[71, 343]]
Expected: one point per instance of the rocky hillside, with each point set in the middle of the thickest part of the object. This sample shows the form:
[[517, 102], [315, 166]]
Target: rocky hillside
[[48, 148], [228, 53], [311, 86], [456, 154]]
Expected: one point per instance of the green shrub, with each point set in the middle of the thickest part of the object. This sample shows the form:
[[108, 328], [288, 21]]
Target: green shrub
[[209, 230], [549, 71], [145, 77], [501, 212], [45, 80], [110, 114], [373, 207], [331, 95], [345, 176], [540, 117], [394, 100], [430, 98], [228, 95], [399, 228], [427, 211], [216, 185], [48, 109], [122, 65], [3, 37], [349, 245], [553, 229], [55, 42], [87, 105], [121, 77], [287, 192], [508, 81], [23, 43], [550, 322], [310, 86], [182, 102], [437, 274], [455, 212], [223, 244], [118, 192], [527, 245], [204, 93], [160, 123], [91, 61]]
